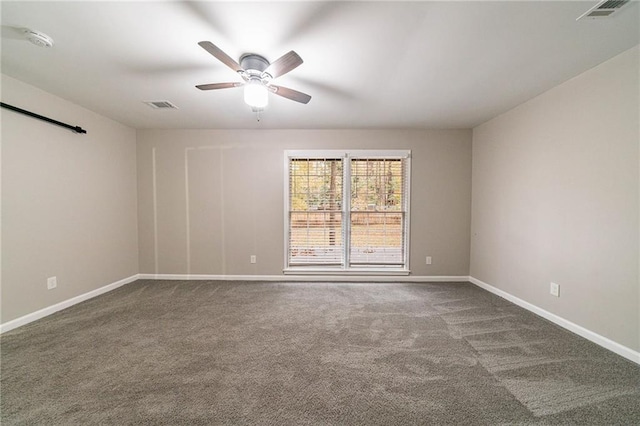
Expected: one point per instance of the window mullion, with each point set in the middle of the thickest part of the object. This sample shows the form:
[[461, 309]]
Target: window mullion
[[406, 208], [346, 210]]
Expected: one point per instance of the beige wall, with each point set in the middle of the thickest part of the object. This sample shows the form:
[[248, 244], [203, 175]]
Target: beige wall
[[555, 198], [219, 197], [68, 202], [556, 193]]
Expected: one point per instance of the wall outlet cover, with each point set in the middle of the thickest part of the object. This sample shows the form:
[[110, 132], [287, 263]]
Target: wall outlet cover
[[52, 282], [554, 289]]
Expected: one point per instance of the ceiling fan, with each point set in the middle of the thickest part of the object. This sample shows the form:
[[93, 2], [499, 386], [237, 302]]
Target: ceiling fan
[[257, 74]]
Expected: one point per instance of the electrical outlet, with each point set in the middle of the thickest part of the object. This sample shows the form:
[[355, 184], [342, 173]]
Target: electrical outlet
[[253, 258], [52, 282], [554, 289], [428, 260]]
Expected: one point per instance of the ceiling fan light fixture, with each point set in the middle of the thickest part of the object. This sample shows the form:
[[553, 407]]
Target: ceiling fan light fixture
[[256, 94], [257, 73]]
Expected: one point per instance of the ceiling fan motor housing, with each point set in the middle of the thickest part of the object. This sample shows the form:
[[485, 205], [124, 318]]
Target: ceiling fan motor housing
[[252, 62]]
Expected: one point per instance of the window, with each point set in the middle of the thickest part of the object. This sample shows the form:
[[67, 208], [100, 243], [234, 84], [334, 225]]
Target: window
[[347, 211]]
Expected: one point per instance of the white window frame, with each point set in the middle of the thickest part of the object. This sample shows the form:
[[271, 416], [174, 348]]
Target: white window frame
[[347, 156]]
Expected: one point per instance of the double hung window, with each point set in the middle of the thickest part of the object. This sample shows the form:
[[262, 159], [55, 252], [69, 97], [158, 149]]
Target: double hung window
[[347, 211]]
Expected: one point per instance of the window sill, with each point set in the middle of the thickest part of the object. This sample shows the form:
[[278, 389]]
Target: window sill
[[351, 271]]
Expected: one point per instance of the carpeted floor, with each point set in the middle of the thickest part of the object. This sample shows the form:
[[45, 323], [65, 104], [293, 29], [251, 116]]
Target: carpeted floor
[[205, 352]]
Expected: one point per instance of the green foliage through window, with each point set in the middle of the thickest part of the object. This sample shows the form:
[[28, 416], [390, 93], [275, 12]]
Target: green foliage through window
[[372, 223]]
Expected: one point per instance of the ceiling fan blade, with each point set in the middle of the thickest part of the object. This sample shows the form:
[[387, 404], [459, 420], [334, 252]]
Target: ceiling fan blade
[[215, 86], [294, 95], [283, 64], [220, 55]]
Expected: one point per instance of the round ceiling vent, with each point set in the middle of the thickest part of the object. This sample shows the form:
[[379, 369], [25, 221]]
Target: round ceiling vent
[[38, 38]]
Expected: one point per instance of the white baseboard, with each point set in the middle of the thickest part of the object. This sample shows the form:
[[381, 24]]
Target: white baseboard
[[297, 278], [26, 319], [606, 343], [609, 344]]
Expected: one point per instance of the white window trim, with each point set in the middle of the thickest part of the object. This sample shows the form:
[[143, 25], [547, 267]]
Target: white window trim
[[347, 155]]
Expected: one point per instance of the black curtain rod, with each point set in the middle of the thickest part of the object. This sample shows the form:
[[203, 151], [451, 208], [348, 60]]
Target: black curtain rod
[[76, 129]]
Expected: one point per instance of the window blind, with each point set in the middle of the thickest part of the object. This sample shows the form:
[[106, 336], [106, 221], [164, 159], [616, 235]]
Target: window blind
[[347, 210], [315, 212], [377, 212]]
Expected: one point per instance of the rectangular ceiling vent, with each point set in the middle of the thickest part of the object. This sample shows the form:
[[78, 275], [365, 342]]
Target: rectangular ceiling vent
[[604, 9], [160, 104]]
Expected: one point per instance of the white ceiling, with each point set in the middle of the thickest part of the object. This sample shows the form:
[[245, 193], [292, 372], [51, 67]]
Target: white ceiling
[[366, 64]]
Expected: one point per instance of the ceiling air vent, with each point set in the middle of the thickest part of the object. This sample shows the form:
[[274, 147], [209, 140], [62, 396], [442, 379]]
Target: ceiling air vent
[[160, 104], [604, 9]]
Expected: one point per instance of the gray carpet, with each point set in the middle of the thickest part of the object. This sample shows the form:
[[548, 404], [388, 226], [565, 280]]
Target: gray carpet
[[205, 352]]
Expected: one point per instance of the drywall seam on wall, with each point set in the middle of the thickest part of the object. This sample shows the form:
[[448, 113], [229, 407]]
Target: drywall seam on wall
[[236, 178], [155, 211]]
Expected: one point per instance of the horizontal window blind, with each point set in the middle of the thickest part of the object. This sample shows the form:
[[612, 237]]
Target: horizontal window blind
[[377, 214], [315, 212], [347, 211]]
